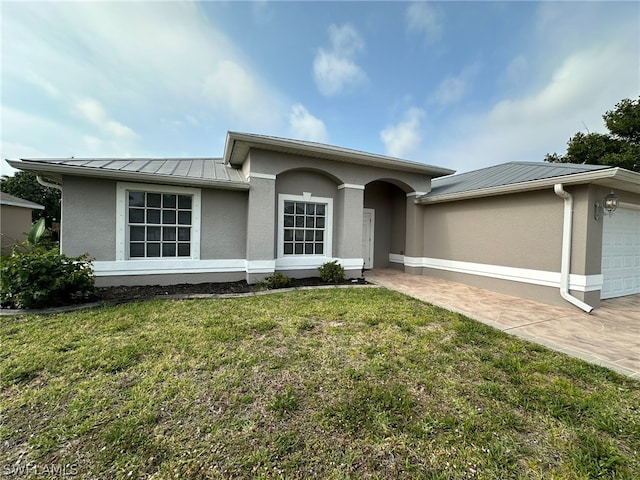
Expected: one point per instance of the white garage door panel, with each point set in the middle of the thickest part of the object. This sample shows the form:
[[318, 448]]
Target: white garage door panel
[[621, 253]]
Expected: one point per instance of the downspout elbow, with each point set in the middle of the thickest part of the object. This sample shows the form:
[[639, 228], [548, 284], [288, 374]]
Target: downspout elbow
[[565, 267], [45, 183]]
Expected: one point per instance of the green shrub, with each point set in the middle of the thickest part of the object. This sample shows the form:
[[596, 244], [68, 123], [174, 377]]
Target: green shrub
[[331, 272], [37, 278], [277, 280]]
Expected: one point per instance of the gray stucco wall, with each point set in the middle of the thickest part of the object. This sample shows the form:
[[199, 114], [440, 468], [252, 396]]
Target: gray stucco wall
[[89, 217], [274, 163], [224, 224]]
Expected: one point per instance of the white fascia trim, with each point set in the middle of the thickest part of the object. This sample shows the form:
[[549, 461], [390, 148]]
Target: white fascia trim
[[416, 194], [266, 176], [121, 215], [396, 258], [314, 261], [581, 283], [260, 266], [165, 266], [351, 185]]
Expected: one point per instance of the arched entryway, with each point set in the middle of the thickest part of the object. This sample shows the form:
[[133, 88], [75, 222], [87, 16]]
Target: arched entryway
[[386, 205]]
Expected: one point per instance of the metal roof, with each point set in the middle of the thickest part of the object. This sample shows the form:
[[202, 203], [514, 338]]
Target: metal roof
[[508, 177], [189, 171], [511, 173], [6, 199], [238, 144]]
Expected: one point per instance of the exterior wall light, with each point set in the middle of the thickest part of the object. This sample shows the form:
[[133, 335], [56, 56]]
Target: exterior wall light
[[608, 205]]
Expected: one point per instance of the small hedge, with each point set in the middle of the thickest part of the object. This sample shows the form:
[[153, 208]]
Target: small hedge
[[38, 278], [331, 272]]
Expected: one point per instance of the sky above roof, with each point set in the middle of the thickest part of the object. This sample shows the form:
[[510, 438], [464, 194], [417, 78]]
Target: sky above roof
[[460, 85]]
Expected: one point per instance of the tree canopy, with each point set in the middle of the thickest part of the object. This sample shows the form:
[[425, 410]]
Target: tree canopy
[[618, 148], [24, 185]]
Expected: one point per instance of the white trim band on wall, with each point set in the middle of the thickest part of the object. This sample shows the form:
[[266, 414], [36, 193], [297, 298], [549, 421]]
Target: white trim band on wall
[[581, 283], [312, 262], [166, 266], [351, 185], [416, 194], [176, 267], [266, 176], [396, 258]]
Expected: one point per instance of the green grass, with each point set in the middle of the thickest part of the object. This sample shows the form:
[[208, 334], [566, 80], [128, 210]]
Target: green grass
[[344, 383]]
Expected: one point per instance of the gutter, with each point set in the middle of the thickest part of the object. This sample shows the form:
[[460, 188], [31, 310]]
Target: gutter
[[565, 268]]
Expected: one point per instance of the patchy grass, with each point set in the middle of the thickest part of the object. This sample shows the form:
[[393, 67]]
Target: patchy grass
[[330, 384]]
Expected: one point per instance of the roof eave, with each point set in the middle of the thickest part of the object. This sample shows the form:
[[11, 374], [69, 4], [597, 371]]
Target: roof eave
[[56, 171], [235, 156], [598, 176]]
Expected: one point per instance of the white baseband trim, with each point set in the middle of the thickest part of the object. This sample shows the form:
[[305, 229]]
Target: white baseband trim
[[260, 266], [177, 267], [351, 185], [266, 176], [164, 266], [311, 262], [580, 283], [396, 258]]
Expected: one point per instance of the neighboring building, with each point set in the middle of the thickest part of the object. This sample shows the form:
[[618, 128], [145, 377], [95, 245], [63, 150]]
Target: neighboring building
[[273, 204], [15, 220]]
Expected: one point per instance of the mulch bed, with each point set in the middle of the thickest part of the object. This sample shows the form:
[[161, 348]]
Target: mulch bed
[[150, 291]]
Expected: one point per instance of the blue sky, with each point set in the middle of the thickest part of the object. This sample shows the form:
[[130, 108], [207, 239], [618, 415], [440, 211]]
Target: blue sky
[[461, 85]]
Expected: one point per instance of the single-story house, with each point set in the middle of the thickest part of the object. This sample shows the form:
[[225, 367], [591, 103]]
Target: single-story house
[[536, 230], [15, 220]]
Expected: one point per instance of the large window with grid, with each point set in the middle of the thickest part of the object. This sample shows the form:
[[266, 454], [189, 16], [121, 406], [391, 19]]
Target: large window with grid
[[159, 224], [305, 224]]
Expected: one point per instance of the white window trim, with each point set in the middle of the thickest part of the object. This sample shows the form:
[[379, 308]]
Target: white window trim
[[308, 198], [121, 218]]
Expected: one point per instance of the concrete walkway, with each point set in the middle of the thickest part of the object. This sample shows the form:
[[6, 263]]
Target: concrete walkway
[[609, 336]]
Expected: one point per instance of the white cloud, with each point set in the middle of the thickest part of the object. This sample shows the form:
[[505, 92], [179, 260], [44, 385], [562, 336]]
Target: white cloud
[[139, 63], [335, 70], [305, 126], [235, 92], [93, 111], [580, 89], [404, 138], [425, 19]]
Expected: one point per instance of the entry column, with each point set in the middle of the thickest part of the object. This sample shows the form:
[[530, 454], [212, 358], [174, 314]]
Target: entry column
[[348, 228]]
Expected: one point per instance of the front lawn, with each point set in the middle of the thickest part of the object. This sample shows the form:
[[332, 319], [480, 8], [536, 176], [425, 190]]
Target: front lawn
[[340, 383]]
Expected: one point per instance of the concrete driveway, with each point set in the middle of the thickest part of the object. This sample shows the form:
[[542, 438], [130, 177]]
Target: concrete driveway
[[609, 336]]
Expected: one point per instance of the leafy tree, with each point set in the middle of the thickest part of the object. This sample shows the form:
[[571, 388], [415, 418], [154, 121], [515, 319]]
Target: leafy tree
[[619, 148], [24, 185]]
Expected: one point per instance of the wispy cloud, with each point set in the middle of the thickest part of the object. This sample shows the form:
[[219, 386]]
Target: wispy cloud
[[580, 89], [425, 19], [91, 110], [455, 87], [404, 138], [236, 93], [305, 126], [335, 70]]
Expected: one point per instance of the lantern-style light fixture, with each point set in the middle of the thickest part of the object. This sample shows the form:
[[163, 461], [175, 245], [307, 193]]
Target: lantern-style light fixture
[[608, 205]]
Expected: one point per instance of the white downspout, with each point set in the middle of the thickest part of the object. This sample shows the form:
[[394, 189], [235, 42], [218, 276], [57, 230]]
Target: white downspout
[[45, 183], [565, 268]]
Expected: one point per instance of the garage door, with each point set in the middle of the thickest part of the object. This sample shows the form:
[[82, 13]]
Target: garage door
[[621, 253]]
